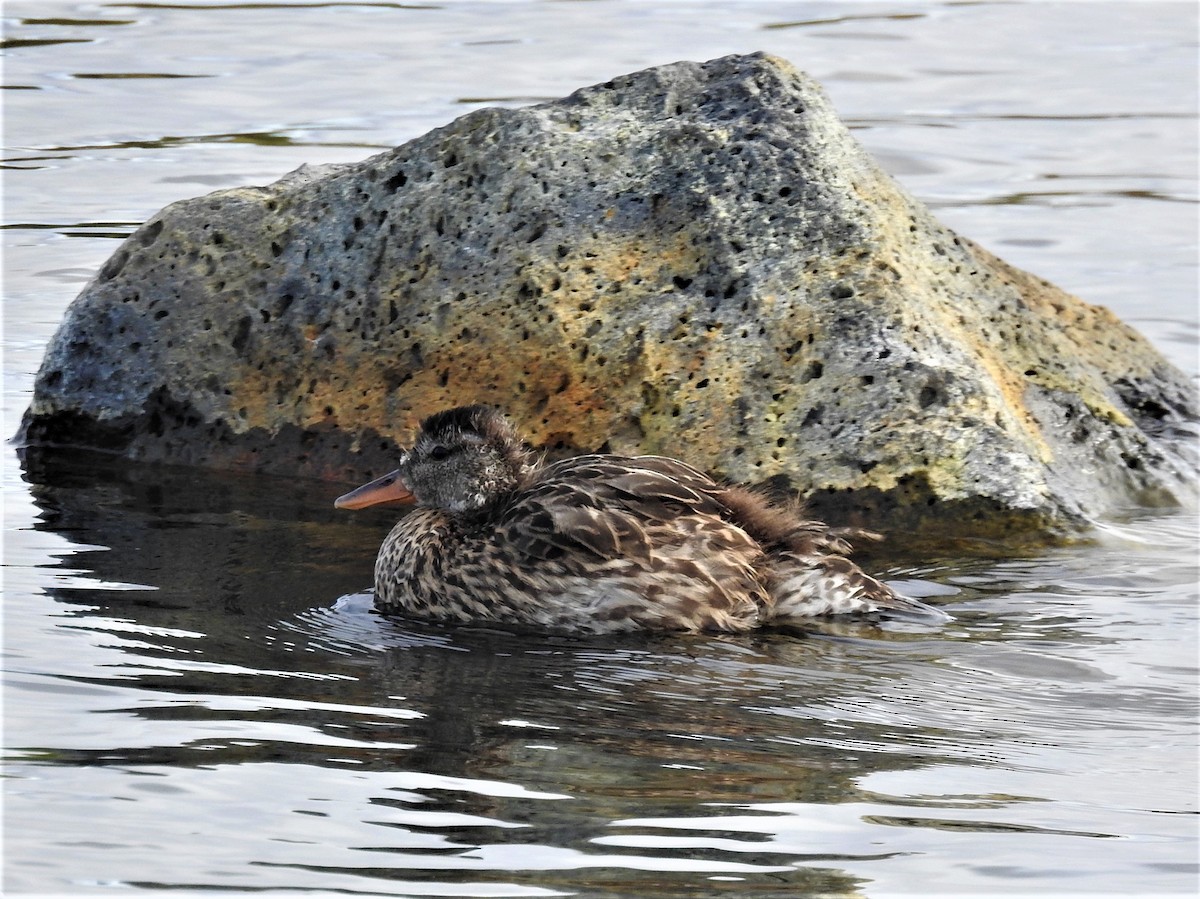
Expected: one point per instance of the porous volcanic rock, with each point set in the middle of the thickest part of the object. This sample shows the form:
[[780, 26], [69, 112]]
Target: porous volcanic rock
[[695, 260]]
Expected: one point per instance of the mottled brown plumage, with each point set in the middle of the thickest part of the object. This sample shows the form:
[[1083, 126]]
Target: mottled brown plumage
[[599, 543]]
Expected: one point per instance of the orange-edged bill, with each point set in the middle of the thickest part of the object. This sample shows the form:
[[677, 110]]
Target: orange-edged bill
[[387, 489]]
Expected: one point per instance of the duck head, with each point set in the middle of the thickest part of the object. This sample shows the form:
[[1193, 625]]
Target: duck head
[[464, 461]]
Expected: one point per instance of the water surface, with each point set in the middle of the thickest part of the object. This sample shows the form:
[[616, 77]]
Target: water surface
[[198, 697]]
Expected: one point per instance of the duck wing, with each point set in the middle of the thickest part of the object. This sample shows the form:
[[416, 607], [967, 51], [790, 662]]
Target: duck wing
[[610, 507]]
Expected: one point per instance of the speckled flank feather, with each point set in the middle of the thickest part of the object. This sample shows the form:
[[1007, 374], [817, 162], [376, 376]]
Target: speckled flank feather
[[605, 544]]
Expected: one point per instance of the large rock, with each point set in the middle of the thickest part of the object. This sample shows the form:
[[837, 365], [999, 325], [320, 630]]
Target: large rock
[[696, 260]]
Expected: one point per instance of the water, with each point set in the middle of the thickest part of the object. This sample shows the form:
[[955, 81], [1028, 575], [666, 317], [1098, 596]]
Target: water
[[198, 698]]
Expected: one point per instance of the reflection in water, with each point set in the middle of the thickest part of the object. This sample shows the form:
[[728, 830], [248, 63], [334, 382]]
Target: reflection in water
[[102, 75], [258, 138], [18, 43], [329, 747]]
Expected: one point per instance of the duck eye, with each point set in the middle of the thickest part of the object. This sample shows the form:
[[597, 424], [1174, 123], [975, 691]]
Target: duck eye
[[438, 453]]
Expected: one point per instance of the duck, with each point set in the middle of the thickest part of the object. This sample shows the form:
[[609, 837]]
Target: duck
[[600, 543]]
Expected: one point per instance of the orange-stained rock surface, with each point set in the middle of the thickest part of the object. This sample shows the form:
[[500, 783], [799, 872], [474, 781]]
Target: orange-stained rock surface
[[696, 260]]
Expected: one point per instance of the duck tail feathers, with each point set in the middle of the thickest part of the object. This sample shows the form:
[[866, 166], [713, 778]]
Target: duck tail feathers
[[833, 585]]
